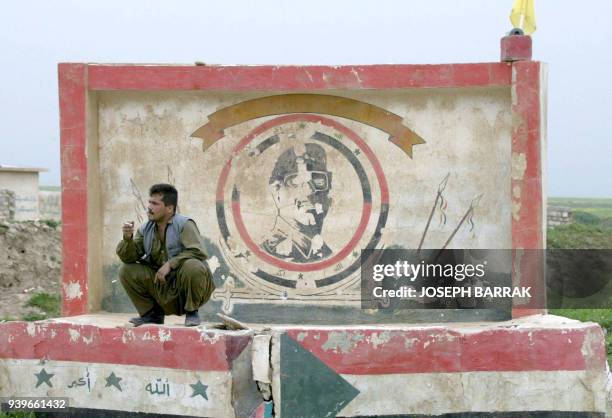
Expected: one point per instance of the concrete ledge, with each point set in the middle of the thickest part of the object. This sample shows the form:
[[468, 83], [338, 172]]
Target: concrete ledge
[[98, 363], [541, 365], [534, 364]]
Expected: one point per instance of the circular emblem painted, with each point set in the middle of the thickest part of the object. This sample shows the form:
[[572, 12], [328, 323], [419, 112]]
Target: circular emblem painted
[[298, 199]]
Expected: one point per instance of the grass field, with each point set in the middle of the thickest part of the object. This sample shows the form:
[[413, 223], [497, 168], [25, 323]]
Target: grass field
[[602, 208], [589, 232]]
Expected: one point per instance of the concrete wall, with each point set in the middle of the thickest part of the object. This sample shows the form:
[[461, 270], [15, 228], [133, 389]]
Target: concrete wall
[[7, 205], [388, 145], [467, 134], [558, 215], [25, 186], [50, 205]]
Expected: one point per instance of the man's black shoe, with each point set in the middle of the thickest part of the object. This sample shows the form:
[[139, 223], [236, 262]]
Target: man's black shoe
[[192, 319], [154, 316]]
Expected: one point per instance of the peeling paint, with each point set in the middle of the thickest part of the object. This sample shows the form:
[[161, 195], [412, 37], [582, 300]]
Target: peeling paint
[[164, 335], [587, 344], [210, 337], [409, 342], [74, 335], [516, 210], [309, 76], [127, 336], [148, 337], [356, 74], [301, 336], [377, 339], [72, 290], [213, 264], [519, 165], [31, 329], [89, 340], [342, 341]]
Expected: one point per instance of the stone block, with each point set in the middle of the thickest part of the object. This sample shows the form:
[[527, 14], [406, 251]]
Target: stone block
[[534, 366], [99, 364]]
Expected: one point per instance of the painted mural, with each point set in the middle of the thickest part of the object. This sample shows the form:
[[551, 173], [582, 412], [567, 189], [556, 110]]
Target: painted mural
[[288, 189]]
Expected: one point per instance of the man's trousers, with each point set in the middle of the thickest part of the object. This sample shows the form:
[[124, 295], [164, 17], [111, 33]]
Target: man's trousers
[[185, 290]]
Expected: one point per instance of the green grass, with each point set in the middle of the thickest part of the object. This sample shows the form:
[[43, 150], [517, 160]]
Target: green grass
[[34, 316], [48, 303], [581, 202], [601, 208], [580, 236], [19, 414], [51, 222], [592, 229]]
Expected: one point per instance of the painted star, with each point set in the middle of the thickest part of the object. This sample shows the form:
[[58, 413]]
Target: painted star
[[199, 389], [44, 377], [113, 380]]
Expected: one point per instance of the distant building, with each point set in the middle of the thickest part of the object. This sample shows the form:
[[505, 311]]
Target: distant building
[[19, 197], [558, 215]]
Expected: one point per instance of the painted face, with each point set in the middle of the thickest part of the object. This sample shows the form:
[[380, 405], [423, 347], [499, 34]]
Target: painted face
[[157, 210], [302, 196]]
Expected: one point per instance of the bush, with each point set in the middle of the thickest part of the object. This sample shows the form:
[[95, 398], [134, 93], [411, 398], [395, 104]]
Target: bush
[[49, 304], [52, 223], [34, 316], [586, 218], [580, 236]]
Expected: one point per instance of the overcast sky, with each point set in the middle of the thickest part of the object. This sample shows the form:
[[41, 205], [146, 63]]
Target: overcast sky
[[575, 39]]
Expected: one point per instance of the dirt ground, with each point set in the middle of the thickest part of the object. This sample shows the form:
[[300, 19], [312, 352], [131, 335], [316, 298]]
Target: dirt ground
[[30, 263]]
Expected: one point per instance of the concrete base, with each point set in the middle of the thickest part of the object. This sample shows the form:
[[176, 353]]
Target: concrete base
[[100, 363], [541, 365]]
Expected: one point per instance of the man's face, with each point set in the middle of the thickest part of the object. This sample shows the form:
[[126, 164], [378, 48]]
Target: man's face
[[157, 210], [302, 197]]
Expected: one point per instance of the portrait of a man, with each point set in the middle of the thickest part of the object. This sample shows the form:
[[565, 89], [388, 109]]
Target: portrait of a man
[[300, 185]]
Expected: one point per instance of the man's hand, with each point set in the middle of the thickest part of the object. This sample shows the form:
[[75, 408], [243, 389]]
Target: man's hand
[[162, 273], [128, 230]]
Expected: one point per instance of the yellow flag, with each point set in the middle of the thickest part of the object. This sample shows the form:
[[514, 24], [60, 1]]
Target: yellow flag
[[523, 16]]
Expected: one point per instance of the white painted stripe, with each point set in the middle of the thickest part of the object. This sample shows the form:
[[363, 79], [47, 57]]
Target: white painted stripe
[[17, 378], [438, 393]]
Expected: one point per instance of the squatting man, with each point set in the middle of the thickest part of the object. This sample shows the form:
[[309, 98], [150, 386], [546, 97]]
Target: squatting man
[[164, 272]]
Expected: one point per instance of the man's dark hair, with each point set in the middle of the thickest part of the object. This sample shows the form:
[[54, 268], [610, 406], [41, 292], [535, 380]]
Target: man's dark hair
[[168, 192]]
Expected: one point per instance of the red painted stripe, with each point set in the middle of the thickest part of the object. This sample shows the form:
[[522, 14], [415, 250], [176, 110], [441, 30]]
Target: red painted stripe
[[73, 119], [292, 78], [440, 349], [187, 348], [527, 229]]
